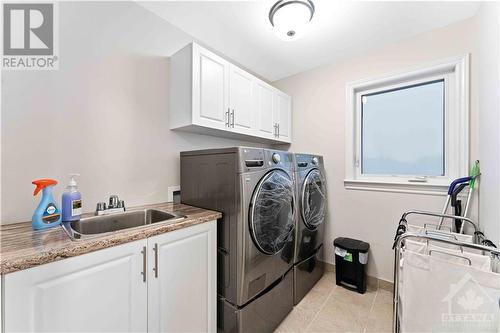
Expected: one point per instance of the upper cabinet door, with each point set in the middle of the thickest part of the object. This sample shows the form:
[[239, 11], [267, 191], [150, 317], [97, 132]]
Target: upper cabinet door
[[210, 98], [102, 291], [263, 99], [283, 115], [241, 100]]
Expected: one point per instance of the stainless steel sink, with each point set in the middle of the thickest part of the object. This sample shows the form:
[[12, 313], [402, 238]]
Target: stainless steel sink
[[99, 225]]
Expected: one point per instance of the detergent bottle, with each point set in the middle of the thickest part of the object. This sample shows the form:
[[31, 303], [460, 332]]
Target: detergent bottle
[[47, 214], [71, 201]]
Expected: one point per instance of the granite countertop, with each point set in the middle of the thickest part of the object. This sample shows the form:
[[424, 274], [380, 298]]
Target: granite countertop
[[21, 247]]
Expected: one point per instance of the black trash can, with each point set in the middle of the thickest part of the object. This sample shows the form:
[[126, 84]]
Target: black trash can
[[351, 257]]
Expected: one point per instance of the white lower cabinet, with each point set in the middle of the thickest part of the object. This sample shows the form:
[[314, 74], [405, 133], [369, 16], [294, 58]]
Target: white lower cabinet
[[102, 291], [182, 280], [116, 289]]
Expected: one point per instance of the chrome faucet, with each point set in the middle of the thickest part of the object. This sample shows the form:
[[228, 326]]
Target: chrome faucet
[[115, 205]]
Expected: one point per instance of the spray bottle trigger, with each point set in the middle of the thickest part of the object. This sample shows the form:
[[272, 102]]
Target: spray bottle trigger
[[42, 183]]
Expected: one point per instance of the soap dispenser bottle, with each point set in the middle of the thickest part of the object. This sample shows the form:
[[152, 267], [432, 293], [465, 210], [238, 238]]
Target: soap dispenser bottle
[[47, 214], [71, 201]]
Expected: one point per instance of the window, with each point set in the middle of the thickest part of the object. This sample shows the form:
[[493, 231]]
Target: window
[[402, 131], [408, 132]]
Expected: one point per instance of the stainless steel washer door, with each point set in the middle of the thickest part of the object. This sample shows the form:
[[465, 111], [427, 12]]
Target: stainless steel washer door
[[313, 199], [271, 212]]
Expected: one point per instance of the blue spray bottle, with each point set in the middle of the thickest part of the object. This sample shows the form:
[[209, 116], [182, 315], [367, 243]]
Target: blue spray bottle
[[47, 214]]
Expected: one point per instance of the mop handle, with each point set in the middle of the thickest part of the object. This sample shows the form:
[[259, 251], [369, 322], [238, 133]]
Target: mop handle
[[451, 188], [471, 189], [457, 182]]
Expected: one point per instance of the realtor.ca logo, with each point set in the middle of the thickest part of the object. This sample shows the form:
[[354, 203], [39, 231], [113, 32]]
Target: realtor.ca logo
[[29, 36], [471, 306]]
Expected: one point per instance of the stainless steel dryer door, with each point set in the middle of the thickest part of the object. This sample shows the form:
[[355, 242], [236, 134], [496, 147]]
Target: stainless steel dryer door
[[271, 216], [313, 199]]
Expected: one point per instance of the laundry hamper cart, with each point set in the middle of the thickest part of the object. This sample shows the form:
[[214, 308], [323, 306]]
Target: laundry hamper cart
[[443, 283]]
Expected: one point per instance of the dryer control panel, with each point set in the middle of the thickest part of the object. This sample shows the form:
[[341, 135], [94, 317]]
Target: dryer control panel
[[307, 161]]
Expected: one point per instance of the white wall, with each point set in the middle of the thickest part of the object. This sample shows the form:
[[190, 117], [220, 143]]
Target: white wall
[[489, 117], [103, 114], [319, 101]]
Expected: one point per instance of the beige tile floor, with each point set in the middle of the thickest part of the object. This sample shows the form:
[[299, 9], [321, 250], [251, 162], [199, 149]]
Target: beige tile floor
[[330, 308]]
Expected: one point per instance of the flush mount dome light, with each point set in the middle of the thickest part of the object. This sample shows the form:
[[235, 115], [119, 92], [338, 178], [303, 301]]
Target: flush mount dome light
[[290, 18]]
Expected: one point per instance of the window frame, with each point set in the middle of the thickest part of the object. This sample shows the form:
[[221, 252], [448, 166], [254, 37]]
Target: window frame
[[455, 73]]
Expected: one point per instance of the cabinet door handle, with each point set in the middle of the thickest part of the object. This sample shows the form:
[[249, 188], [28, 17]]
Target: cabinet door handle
[[232, 117], [278, 130], [144, 264], [155, 269], [227, 117]]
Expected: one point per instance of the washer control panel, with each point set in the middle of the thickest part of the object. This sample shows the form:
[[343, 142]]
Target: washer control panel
[[276, 158]]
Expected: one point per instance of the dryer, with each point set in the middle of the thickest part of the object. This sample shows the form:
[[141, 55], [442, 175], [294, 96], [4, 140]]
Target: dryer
[[310, 227], [254, 189]]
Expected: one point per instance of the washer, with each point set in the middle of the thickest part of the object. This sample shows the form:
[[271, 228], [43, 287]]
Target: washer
[[254, 189], [311, 216]]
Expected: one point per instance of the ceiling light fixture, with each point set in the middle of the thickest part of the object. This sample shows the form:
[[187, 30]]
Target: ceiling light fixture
[[290, 18]]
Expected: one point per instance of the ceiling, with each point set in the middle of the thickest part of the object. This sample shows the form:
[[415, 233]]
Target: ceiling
[[240, 30]]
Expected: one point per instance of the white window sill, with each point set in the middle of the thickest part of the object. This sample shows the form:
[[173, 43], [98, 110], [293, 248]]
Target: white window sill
[[395, 187]]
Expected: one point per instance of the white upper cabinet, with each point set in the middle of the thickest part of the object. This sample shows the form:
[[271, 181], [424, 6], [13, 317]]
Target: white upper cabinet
[[241, 100], [210, 85], [209, 95], [283, 116], [273, 113], [266, 126]]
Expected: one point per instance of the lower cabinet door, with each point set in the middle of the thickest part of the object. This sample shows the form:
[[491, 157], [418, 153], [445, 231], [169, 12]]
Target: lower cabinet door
[[182, 280], [102, 291]]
